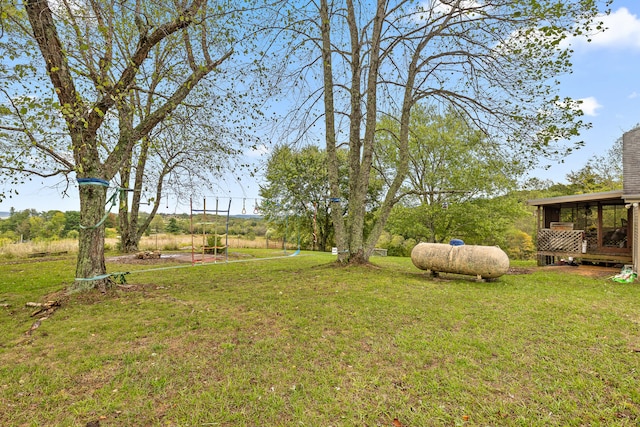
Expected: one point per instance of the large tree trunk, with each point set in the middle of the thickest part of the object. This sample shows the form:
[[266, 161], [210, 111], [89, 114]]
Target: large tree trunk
[[91, 263], [332, 151], [135, 231], [325, 231], [361, 145], [127, 221], [131, 230], [128, 229], [129, 238]]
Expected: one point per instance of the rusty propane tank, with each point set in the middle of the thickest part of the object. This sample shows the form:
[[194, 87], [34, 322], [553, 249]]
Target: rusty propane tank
[[487, 262]]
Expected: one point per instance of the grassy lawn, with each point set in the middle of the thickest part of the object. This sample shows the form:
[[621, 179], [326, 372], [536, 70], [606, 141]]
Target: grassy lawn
[[297, 341]]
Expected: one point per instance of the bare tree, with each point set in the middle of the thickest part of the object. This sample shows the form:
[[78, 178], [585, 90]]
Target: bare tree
[[192, 150], [192, 147], [495, 61], [97, 55]]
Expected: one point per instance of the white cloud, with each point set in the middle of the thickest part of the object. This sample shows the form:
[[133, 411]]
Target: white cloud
[[589, 106], [444, 7], [633, 95], [436, 9], [622, 31]]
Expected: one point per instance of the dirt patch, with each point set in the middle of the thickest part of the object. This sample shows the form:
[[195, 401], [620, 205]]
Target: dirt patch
[[516, 270], [584, 270], [595, 271], [176, 258]]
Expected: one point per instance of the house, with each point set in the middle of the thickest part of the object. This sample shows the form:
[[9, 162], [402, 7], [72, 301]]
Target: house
[[598, 227]]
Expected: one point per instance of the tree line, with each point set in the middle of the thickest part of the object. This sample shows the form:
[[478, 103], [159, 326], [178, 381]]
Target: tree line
[[461, 197], [31, 225], [456, 188]]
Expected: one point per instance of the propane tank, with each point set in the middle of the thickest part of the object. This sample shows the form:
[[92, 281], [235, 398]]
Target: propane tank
[[487, 262]]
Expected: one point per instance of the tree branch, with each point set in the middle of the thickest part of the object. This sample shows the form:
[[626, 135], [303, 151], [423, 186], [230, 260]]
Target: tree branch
[[145, 126], [46, 35], [145, 43]]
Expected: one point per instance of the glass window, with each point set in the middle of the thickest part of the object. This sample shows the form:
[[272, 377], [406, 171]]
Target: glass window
[[614, 226]]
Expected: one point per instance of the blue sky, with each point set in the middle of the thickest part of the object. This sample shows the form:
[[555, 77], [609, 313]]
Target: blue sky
[[606, 77]]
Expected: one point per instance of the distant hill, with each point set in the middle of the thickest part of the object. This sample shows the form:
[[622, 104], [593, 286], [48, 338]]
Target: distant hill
[[246, 216], [4, 215]]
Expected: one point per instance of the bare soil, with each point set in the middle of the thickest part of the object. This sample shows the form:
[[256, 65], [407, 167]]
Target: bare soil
[[585, 270], [177, 258]]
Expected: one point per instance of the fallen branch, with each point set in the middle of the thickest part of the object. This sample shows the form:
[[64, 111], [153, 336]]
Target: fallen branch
[[35, 325], [34, 304], [47, 307]]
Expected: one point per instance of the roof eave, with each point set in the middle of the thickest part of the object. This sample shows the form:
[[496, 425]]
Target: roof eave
[[578, 198]]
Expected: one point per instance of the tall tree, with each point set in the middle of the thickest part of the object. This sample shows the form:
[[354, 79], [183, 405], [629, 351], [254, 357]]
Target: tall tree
[[188, 151], [202, 137], [450, 160], [601, 173], [494, 61], [297, 185], [96, 55], [455, 177]]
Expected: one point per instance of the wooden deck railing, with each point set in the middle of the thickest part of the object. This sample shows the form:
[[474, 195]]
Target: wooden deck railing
[[557, 244], [569, 241]]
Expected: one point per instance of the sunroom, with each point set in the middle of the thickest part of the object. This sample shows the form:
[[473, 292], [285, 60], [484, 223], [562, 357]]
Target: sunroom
[[597, 227], [587, 227]]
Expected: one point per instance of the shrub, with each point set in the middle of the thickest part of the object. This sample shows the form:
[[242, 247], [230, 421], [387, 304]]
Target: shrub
[[170, 246], [396, 245], [110, 232], [519, 245], [11, 236], [214, 241]]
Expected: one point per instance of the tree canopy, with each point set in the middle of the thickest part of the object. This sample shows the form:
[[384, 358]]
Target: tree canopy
[[456, 182], [297, 186]]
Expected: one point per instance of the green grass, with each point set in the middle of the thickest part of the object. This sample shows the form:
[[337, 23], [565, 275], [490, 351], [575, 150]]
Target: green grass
[[297, 341]]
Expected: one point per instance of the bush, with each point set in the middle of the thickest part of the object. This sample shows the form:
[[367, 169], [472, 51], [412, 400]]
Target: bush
[[110, 232], [10, 236], [519, 245], [214, 241], [171, 246], [396, 245]]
